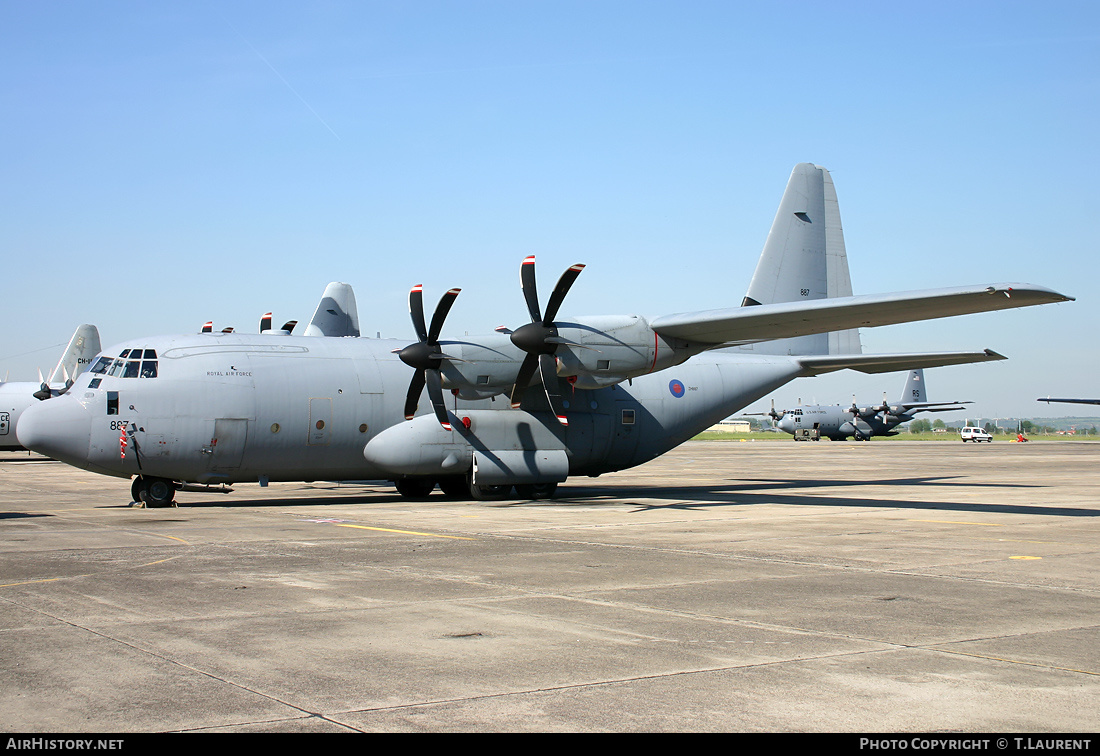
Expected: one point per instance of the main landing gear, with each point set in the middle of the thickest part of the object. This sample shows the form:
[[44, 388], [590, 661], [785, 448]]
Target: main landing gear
[[461, 488], [153, 492]]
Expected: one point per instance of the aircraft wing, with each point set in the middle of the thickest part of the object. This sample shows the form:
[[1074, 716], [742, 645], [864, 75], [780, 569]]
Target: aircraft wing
[[746, 325], [1070, 401], [889, 363]]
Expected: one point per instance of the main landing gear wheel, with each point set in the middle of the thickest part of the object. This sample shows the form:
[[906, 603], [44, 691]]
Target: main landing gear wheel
[[488, 493], [454, 487], [153, 492], [536, 491], [416, 489]]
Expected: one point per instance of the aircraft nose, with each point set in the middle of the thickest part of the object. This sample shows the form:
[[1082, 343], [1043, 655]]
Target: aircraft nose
[[59, 428]]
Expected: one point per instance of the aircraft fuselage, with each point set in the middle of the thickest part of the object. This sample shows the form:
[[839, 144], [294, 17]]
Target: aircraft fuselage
[[235, 408]]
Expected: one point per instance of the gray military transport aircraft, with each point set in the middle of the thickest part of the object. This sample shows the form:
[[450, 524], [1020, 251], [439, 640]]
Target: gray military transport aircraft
[[837, 422], [1069, 401], [16, 396], [586, 395]]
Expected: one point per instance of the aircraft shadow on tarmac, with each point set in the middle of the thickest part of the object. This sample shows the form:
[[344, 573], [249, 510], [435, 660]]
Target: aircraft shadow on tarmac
[[739, 492]]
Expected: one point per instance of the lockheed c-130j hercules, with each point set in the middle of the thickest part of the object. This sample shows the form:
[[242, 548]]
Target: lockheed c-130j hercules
[[585, 395]]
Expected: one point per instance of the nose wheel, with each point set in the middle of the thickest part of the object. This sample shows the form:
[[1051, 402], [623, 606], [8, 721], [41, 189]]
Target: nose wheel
[[153, 492]]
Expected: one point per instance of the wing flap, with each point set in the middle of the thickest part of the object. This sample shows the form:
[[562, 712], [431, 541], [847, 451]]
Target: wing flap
[[746, 325]]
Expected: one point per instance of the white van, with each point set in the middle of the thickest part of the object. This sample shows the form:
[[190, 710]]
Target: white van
[[972, 433]]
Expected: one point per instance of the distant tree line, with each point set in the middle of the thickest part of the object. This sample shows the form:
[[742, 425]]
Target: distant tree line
[[1027, 427]]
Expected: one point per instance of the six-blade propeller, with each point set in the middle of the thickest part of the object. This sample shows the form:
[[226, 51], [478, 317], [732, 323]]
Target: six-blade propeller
[[425, 356], [540, 339]]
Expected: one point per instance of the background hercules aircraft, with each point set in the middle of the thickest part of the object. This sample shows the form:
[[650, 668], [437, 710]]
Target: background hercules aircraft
[[1070, 401], [585, 395], [837, 422], [16, 396]]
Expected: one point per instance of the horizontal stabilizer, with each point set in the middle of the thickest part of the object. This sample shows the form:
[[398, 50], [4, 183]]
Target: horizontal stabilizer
[[931, 406], [889, 363], [746, 325]]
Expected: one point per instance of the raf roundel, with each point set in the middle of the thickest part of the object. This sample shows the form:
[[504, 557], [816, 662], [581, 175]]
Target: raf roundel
[[676, 388]]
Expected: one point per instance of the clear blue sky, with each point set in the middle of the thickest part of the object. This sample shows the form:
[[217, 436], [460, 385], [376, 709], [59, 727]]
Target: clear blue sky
[[166, 164]]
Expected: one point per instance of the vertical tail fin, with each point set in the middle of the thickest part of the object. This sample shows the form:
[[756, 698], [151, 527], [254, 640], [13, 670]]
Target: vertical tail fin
[[336, 314], [78, 355], [914, 388], [804, 258]]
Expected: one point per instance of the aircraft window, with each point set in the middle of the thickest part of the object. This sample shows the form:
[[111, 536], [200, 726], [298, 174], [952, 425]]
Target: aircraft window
[[94, 383], [150, 354], [112, 402], [148, 369], [603, 364], [125, 353], [133, 369], [101, 365], [628, 417], [116, 368]]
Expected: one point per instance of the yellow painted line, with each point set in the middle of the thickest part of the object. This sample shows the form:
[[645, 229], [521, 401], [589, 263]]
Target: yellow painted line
[[1025, 557], [158, 535], [88, 574], [1016, 661], [403, 532]]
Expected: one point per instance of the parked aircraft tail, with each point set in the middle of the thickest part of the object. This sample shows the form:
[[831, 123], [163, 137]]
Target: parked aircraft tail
[[914, 388], [78, 355], [336, 314], [804, 258]]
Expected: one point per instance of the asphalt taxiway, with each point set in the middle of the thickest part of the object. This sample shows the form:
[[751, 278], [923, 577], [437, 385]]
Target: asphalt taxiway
[[874, 587]]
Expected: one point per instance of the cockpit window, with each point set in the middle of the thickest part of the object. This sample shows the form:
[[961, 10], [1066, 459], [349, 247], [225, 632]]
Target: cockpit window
[[131, 363]]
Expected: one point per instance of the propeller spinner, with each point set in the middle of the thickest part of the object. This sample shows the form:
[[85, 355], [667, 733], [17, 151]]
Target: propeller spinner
[[425, 356], [540, 339]]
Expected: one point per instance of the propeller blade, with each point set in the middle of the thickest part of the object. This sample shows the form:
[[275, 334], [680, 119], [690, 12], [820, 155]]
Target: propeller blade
[[440, 315], [559, 292], [43, 392], [207, 327], [265, 322], [548, 367], [289, 325], [523, 380], [413, 397], [416, 309], [530, 292], [435, 393]]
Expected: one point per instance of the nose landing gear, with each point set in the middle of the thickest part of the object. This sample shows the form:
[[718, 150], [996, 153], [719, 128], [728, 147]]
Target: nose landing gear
[[153, 492]]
